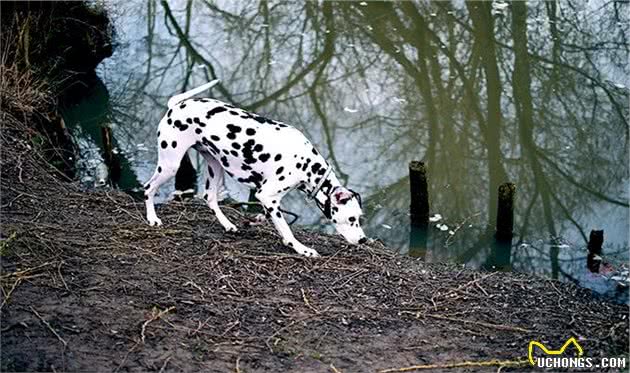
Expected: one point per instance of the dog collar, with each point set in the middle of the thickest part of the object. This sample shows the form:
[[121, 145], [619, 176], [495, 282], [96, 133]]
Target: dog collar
[[319, 185]]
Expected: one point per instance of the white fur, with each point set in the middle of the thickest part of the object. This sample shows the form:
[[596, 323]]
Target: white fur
[[261, 154]]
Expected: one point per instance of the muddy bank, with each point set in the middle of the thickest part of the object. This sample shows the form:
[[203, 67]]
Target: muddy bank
[[88, 285], [50, 52]]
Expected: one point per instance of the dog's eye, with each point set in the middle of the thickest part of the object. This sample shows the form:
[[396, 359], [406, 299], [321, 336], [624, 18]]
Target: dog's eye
[[352, 219]]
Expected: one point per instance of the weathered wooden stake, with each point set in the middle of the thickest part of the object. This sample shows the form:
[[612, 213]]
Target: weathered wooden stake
[[594, 257], [418, 242], [112, 161], [505, 211], [419, 207]]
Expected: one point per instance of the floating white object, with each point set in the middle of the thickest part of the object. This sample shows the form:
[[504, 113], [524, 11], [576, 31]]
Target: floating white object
[[386, 226], [363, 3], [349, 110], [499, 5], [435, 217]]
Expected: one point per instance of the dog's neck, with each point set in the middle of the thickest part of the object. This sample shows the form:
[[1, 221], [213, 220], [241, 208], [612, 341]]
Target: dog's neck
[[328, 185]]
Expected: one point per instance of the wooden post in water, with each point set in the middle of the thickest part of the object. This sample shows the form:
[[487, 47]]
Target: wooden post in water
[[594, 257], [419, 206], [505, 212], [112, 161]]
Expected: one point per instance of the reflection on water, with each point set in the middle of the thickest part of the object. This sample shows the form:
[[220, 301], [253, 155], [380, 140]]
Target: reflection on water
[[484, 93]]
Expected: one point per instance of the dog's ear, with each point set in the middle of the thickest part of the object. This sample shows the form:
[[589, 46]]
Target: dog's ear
[[358, 196], [342, 196]]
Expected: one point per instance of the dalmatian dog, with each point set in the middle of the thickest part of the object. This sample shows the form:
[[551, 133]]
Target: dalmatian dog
[[269, 156]]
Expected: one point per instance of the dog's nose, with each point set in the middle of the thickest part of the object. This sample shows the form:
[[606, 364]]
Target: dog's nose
[[363, 240]]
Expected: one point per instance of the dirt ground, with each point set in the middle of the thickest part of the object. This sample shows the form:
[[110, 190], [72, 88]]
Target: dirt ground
[[88, 286]]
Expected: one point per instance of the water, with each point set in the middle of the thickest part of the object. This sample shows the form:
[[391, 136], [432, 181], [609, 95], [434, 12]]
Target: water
[[481, 96]]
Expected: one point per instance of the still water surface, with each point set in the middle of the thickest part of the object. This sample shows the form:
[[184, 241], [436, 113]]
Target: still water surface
[[484, 93]]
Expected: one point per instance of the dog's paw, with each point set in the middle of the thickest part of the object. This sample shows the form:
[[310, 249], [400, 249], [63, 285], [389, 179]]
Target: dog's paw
[[155, 222], [230, 228], [309, 252]]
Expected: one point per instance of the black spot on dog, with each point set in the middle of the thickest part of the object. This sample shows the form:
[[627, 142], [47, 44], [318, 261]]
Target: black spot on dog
[[225, 162], [198, 131], [159, 169], [254, 178], [207, 183], [298, 165], [170, 111], [210, 172], [277, 157], [196, 120], [205, 196], [278, 214], [188, 120], [174, 144], [234, 153], [226, 152], [258, 148], [182, 106], [315, 167], [146, 198], [245, 167], [236, 145], [290, 244], [277, 128], [259, 119], [279, 170], [315, 151], [250, 131], [164, 144], [214, 111], [169, 121], [264, 157], [215, 138], [147, 186], [233, 128], [281, 178], [322, 171], [180, 125], [233, 112], [158, 134]]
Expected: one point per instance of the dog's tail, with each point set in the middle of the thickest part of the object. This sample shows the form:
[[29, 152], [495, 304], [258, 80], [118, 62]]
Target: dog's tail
[[182, 96]]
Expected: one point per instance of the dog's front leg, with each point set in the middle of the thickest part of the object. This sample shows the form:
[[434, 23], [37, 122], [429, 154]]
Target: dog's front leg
[[272, 210]]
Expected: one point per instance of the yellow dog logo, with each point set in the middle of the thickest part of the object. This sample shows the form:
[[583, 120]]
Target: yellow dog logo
[[572, 340]]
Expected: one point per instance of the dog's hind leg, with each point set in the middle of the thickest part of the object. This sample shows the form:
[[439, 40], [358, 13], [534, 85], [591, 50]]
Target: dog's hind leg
[[169, 158], [213, 183]]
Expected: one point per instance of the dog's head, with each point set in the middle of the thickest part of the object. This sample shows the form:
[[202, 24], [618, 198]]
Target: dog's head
[[343, 208]]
